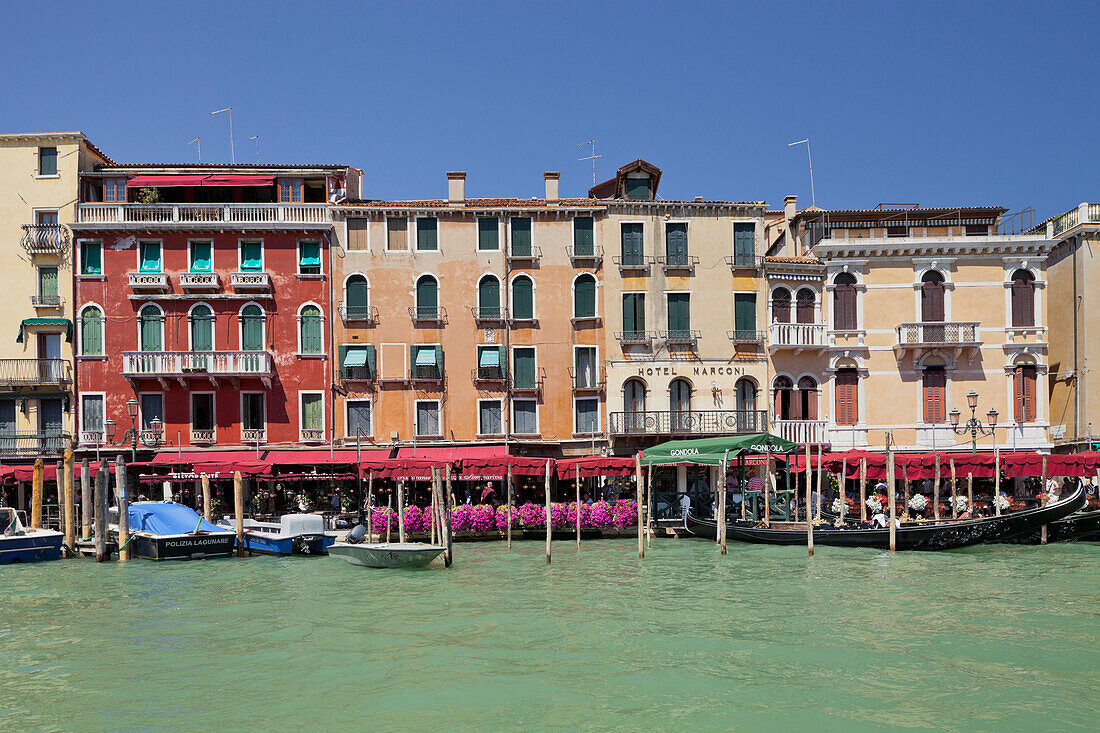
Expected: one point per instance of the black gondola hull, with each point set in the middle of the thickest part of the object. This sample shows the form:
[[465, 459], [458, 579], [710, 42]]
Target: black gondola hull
[[1077, 527], [944, 535]]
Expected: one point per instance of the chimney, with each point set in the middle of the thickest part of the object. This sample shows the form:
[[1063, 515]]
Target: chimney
[[790, 208], [551, 178], [456, 188]]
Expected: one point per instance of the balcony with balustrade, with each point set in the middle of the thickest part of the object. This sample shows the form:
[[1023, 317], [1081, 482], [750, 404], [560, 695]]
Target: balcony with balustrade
[[800, 431], [363, 315], [203, 437], [147, 281], [585, 256], [32, 444], [43, 239], [952, 335], [635, 338], [588, 380], [29, 373], [199, 281], [688, 423], [212, 365], [250, 281], [797, 336], [201, 216], [428, 315]]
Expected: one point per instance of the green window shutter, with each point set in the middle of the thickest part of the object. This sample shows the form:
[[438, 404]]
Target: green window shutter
[[523, 298], [521, 237], [252, 329], [584, 238], [584, 297], [744, 311], [629, 324], [631, 244], [47, 161], [150, 256], [47, 282], [91, 258], [488, 296], [523, 367], [372, 362], [309, 258], [201, 260], [357, 296], [438, 358], [150, 330], [744, 243], [251, 256], [679, 312], [637, 189], [427, 297], [91, 332], [202, 337], [342, 359], [427, 236], [676, 243], [502, 357], [311, 411], [488, 234], [311, 330]]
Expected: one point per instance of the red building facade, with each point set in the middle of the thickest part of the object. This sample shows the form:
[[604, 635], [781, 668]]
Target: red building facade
[[202, 304]]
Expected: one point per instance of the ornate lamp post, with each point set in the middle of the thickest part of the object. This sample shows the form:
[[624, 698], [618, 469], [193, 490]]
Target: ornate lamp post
[[149, 438], [973, 426]]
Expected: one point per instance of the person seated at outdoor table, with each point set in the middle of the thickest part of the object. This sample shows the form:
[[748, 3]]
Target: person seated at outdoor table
[[880, 520]]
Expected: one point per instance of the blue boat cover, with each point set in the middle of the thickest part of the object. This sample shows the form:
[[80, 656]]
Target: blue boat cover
[[166, 517]]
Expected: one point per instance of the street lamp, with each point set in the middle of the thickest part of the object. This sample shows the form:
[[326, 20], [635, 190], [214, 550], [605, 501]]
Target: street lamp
[[149, 438], [973, 426]]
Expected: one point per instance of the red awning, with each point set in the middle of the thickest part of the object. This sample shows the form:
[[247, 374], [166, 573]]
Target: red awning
[[495, 468], [164, 181], [25, 472], [233, 180], [590, 466], [228, 467], [452, 452], [1031, 464], [401, 469], [323, 457]]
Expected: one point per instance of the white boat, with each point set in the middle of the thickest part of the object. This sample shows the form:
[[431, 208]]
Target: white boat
[[20, 544], [387, 554], [297, 534]]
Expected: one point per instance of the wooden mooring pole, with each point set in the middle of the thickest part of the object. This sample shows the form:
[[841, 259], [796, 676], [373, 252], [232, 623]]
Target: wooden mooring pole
[[1043, 501], [862, 490], [722, 504], [207, 499], [936, 491], [101, 514], [841, 479], [638, 501], [401, 512], [70, 508], [86, 492], [123, 501], [508, 510], [370, 507], [891, 494], [37, 478], [448, 554], [577, 512], [238, 511], [997, 480], [970, 492], [547, 484], [389, 516], [954, 490], [809, 511]]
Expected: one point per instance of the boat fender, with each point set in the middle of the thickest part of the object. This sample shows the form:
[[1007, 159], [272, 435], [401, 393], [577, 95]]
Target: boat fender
[[356, 535]]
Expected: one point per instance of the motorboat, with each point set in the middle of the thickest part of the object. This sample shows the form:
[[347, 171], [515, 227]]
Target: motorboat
[[164, 530], [942, 535], [384, 554], [20, 544], [293, 534]]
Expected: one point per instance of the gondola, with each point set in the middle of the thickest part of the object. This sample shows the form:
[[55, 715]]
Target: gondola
[[1077, 527], [943, 535]]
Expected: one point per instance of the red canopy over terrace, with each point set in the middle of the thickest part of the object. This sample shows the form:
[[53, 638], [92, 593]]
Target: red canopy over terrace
[[323, 457], [25, 472], [238, 180], [495, 468], [592, 466], [401, 469], [164, 180]]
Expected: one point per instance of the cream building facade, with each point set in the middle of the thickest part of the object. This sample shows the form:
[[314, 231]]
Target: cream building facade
[[38, 193]]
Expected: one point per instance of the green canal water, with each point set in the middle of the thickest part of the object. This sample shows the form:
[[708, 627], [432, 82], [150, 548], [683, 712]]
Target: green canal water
[[992, 638]]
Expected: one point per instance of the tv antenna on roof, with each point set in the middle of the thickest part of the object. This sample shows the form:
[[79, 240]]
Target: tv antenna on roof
[[257, 139], [813, 199], [591, 157], [232, 156], [198, 143]]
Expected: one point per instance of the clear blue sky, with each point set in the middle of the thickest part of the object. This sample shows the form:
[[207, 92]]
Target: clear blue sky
[[936, 103]]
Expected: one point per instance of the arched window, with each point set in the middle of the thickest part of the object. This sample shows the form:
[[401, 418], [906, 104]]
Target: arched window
[[357, 298], [805, 305], [523, 299], [783, 389], [91, 331], [151, 328], [1023, 298], [781, 305], [1023, 383], [252, 328], [488, 297], [844, 302], [745, 394], [634, 406], [679, 404], [931, 297], [807, 398], [427, 298], [584, 297], [202, 328], [846, 386], [309, 325]]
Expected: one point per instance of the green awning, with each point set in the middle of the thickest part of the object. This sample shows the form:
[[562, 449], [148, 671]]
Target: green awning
[[59, 322], [709, 451], [489, 357], [356, 356], [425, 356]]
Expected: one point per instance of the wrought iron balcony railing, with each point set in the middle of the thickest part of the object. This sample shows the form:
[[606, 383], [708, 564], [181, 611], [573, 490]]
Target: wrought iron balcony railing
[[635, 338], [744, 262], [592, 255], [31, 443], [678, 262], [367, 314], [689, 422], [428, 314], [45, 239], [531, 255], [631, 262], [745, 336], [587, 380], [490, 314], [681, 336], [34, 372]]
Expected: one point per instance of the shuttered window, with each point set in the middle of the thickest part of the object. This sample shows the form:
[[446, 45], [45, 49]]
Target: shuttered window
[[47, 285], [488, 234], [359, 418], [525, 417], [633, 312], [1023, 298], [744, 244], [784, 403], [201, 257], [309, 258], [637, 189], [523, 299], [252, 328], [584, 297], [587, 417], [150, 320], [312, 408], [521, 237], [357, 297], [202, 328], [935, 389], [91, 258], [397, 234], [91, 413], [804, 306], [931, 298], [91, 332], [47, 161], [488, 297], [781, 306], [427, 418], [807, 397], [427, 233], [427, 298], [310, 325], [844, 303], [357, 234], [679, 312], [676, 243], [149, 254], [1024, 387], [631, 243], [489, 418], [252, 254], [523, 368], [584, 238], [846, 384], [744, 313]]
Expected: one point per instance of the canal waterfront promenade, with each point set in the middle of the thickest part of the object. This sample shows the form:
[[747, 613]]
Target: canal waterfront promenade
[[990, 638]]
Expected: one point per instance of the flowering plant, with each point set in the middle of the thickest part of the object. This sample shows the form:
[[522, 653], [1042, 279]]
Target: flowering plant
[[876, 502], [838, 506], [303, 502], [960, 503], [917, 502], [1001, 502]]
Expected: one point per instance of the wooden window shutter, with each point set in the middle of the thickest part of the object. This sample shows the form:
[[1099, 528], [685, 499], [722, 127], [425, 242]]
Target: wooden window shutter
[[357, 233], [1023, 302], [805, 306], [847, 391], [781, 306], [932, 310], [397, 233], [935, 381], [1024, 398], [523, 299]]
